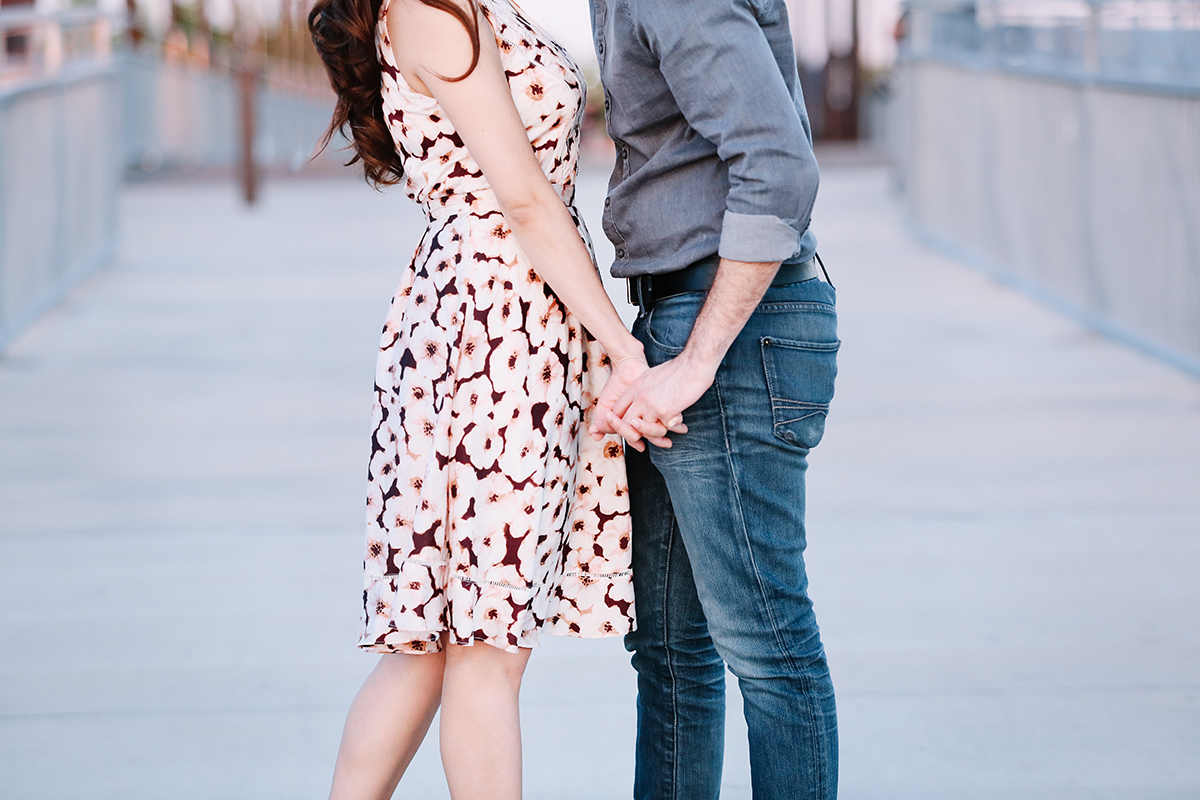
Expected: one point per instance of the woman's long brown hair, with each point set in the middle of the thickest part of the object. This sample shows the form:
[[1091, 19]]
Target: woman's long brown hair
[[343, 32]]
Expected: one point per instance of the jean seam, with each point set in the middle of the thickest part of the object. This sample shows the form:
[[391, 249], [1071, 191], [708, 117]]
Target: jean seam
[[819, 756], [733, 472], [671, 662]]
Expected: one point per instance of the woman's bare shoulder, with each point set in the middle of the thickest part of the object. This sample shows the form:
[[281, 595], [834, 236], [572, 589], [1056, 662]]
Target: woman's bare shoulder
[[432, 18], [426, 38]]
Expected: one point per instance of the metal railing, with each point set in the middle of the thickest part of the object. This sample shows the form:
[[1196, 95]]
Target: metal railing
[[60, 169], [85, 97], [252, 96], [1153, 42], [37, 46], [1057, 145]]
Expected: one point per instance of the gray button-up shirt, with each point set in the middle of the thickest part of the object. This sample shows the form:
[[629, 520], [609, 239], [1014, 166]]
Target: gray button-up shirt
[[714, 151]]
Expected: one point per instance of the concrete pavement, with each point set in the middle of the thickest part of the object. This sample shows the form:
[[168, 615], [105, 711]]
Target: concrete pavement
[[1004, 525]]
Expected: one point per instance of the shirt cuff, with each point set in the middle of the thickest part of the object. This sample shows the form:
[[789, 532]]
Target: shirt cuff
[[758, 238]]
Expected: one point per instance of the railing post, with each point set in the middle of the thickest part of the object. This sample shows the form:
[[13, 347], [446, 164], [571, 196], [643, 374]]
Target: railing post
[[52, 53], [103, 40], [1091, 39], [248, 78], [920, 37]]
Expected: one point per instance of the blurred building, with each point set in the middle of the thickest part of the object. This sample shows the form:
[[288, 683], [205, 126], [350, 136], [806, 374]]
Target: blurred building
[[843, 49]]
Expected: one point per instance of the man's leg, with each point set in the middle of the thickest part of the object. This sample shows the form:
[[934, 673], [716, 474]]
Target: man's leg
[[736, 483], [681, 679]]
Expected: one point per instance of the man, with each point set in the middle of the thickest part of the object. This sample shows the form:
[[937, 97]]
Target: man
[[708, 209]]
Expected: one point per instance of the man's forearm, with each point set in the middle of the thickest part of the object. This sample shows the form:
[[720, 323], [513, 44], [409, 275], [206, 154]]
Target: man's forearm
[[736, 291], [656, 400]]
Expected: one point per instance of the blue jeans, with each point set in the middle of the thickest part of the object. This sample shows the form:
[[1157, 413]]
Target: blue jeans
[[718, 552]]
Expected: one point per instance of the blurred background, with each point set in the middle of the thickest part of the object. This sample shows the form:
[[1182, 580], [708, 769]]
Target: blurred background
[[1052, 142], [1004, 517]]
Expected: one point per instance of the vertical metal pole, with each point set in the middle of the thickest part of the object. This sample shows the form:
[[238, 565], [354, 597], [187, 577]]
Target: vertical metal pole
[[247, 81], [842, 77], [1091, 42], [52, 52], [855, 125], [136, 34], [103, 40], [285, 37]]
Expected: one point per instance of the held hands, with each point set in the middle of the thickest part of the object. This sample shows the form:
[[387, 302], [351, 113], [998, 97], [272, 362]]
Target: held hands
[[641, 403]]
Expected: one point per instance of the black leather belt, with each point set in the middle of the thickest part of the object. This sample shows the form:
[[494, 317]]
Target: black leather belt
[[646, 290]]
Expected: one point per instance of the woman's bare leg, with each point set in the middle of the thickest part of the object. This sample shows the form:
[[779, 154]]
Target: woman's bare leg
[[386, 724], [481, 726]]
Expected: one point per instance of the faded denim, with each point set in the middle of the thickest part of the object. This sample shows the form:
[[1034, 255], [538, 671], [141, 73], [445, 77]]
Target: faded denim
[[718, 557]]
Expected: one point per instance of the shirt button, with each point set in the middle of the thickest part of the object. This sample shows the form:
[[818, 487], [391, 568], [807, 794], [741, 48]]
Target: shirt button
[[620, 252], [606, 104], [600, 48], [607, 202]]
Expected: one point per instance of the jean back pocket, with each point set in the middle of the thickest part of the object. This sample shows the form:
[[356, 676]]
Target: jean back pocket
[[800, 377]]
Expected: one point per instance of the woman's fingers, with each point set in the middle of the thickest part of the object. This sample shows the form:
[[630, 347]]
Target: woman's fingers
[[600, 426], [630, 434]]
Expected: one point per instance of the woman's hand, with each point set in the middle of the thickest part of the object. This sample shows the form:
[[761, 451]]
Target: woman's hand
[[626, 371]]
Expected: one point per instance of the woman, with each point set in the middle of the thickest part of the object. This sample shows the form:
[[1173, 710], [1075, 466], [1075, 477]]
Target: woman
[[492, 515]]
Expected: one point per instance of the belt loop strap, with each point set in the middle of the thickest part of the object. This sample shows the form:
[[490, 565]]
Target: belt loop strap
[[824, 271], [646, 291]]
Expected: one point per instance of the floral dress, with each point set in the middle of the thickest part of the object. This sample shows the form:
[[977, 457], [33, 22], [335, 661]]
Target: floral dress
[[492, 514]]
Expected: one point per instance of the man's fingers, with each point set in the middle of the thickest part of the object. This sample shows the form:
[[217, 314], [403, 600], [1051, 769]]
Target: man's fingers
[[626, 399], [654, 432], [675, 424], [649, 428], [630, 434]]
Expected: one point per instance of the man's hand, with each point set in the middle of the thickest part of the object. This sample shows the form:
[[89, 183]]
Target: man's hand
[[625, 374], [654, 403]]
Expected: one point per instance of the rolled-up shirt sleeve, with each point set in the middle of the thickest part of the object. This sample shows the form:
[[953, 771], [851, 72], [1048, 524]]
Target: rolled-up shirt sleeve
[[726, 81]]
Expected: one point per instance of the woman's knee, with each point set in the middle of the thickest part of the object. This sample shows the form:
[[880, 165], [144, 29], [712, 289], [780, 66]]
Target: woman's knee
[[485, 663], [410, 669]]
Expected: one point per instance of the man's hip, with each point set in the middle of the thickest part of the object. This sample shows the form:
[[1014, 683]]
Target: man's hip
[[778, 375], [736, 478]]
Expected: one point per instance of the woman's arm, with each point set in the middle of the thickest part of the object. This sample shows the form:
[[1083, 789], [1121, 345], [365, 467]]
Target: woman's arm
[[429, 45]]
